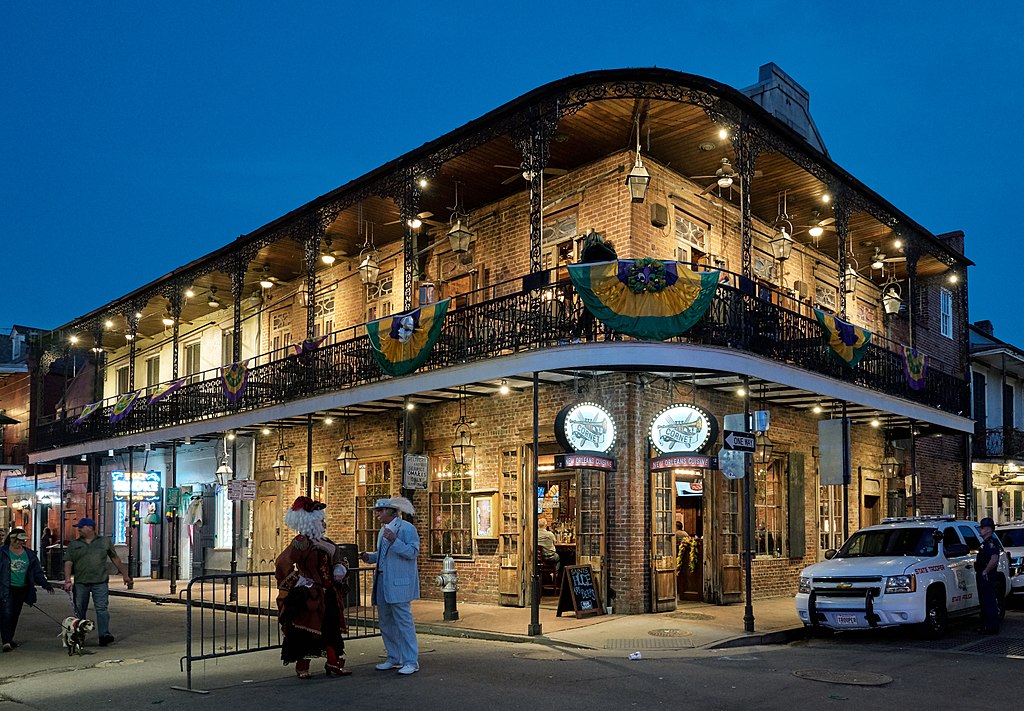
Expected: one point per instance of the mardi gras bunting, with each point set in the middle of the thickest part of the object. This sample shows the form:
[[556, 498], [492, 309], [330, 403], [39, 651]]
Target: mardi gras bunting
[[402, 343], [915, 364], [123, 406], [645, 298], [88, 410], [166, 390], [308, 346], [848, 343], [233, 379]]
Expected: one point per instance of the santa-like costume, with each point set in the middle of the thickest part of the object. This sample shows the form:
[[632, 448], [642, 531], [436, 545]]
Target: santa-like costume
[[311, 592]]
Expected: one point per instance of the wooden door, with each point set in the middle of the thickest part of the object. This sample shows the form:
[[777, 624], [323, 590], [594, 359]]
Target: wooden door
[[512, 571], [267, 543], [590, 525]]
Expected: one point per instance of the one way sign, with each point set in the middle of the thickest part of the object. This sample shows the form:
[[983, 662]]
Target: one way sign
[[738, 441]]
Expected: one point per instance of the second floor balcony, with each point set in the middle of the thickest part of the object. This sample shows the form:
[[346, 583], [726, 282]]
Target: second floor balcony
[[999, 443], [538, 311]]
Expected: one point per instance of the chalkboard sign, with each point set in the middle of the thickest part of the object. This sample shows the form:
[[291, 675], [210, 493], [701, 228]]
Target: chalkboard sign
[[579, 592]]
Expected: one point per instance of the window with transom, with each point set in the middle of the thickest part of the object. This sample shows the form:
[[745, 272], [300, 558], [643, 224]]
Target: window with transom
[[378, 296], [450, 508], [373, 481]]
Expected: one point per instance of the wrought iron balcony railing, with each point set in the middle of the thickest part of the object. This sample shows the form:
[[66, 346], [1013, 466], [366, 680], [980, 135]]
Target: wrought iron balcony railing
[[512, 317], [999, 442]]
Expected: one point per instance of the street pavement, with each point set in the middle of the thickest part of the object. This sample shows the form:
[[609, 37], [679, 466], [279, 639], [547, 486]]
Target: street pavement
[[138, 671]]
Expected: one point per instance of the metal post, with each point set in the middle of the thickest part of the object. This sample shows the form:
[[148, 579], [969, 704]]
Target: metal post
[[535, 626], [846, 475], [60, 528], [309, 455], [234, 524], [173, 521], [913, 468], [131, 518], [748, 538]]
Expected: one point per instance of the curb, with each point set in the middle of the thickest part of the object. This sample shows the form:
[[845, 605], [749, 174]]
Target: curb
[[463, 633], [752, 640]]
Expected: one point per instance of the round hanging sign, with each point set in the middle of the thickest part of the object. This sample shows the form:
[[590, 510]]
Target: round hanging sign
[[585, 426], [683, 428]]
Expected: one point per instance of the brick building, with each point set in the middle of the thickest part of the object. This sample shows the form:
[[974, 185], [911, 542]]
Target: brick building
[[489, 216]]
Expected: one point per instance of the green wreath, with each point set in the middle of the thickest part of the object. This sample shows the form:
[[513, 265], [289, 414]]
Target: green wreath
[[646, 275]]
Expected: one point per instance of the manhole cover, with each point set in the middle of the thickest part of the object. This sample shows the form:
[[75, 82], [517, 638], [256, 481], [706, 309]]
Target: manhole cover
[[690, 616], [832, 676], [648, 643], [669, 632], [546, 655], [118, 662]]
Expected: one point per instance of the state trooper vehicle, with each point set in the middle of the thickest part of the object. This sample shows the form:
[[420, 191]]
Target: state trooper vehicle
[[1011, 535], [906, 571]]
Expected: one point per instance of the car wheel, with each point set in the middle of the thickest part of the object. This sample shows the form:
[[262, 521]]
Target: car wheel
[[935, 616]]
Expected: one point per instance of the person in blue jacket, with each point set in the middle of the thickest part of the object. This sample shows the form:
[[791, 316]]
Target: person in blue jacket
[[20, 572], [396, 583]]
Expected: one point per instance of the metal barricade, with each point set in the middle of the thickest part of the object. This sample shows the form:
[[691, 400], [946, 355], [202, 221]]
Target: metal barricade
[[233, 614]]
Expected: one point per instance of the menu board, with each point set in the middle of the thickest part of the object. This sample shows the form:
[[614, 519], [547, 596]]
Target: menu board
[[579, 592]]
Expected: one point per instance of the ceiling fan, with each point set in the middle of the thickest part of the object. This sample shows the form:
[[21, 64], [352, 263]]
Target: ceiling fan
[[880, 259], [419, 220], [818, 227], [725, 177], [526, 174]]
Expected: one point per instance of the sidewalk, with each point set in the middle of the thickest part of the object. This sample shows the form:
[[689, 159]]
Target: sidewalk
[[692, 625]]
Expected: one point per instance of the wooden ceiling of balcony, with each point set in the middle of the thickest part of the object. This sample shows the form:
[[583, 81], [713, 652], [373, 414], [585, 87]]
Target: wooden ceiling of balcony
[[671, 134]]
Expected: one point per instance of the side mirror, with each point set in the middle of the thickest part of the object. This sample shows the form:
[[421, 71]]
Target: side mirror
[[955, 550], [830, 553]]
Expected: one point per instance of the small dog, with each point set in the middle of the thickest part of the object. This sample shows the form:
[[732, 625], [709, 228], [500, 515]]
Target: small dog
[[72, 634]]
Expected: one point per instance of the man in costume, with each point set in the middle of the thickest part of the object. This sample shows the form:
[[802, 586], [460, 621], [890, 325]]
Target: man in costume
[[311, 592], [396, 583]]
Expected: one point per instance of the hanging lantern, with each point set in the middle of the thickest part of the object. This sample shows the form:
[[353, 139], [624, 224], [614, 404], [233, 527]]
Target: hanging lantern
[[763, 448], [348, 463], [891, 299], [463, 448], [890, 466], [369, 268], [850, 280], [782, 244], [459, 237], [224, 472], [281, 466], [639, 178]]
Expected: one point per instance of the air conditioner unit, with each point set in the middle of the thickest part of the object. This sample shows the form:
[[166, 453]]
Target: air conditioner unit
[[803, 289]]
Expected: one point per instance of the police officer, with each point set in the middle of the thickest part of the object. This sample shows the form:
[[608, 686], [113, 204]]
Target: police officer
[[985, 567]]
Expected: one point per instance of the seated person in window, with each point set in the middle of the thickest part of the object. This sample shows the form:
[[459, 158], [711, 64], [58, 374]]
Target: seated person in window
[[546, 541]]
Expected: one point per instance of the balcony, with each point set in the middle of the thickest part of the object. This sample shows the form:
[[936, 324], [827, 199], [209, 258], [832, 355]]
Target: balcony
[[999, 443], [520, 315]]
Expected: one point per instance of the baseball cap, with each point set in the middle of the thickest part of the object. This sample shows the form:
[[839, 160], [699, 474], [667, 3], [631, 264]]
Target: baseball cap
[[86, 522], [987, 523]]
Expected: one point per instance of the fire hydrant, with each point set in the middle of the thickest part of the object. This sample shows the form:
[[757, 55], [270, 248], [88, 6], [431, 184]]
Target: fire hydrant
[[448, 581]]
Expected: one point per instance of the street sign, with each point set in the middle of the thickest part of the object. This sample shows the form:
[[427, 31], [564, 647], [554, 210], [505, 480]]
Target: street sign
[[241, 490], [738, 441], [732, 463], [414, 476]]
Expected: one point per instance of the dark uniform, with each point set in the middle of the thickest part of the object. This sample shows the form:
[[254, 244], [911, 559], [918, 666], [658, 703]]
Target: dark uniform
[[987, 586]]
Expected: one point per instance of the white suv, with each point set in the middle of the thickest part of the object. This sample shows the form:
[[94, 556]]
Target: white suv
[[1011, 535], [917, 570]]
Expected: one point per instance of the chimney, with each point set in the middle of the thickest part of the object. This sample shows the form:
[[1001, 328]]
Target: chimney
[[781, 96], [985, 327]]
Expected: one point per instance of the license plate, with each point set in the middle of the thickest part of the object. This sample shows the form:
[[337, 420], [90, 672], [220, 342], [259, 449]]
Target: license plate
[[847, 620]]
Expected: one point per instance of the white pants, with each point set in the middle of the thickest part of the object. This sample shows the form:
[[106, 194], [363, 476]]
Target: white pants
[[399, 633]]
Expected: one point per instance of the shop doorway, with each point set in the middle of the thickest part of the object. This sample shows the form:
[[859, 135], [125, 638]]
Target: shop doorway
[[689, 536], [267, 535]]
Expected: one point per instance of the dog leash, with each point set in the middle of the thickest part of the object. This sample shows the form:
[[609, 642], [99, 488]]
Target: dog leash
[[74, 607], [46, 614]]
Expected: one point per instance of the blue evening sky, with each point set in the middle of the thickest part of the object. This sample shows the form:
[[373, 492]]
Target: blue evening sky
[[135, 137]]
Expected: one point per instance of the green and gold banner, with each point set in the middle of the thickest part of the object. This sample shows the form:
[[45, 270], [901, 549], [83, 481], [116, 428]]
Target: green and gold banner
[[402, 343], [848, 343], [645, 298]]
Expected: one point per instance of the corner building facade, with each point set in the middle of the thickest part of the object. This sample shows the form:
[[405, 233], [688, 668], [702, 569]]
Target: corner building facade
[[731, 189]]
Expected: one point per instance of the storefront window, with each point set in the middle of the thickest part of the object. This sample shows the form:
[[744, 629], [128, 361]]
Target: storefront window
[[830, 518], [769, 510], [225, 518], [450, 509], [373, 482], [730, 520]]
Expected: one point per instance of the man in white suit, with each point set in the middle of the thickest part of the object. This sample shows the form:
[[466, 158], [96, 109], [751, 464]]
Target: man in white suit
[[396, 583]]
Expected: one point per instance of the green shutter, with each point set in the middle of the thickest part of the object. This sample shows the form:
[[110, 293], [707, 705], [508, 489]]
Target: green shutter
[[797, 533]]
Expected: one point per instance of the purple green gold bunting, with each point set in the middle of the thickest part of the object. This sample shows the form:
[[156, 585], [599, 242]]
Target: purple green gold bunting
[[123, 406], [88, 410], [402, 343], [233, 379], [166, 390], [847, 342], [915, 366], [645, 298], [308, 346]]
